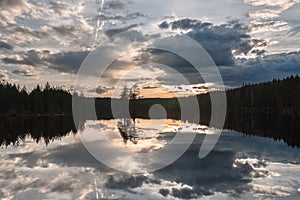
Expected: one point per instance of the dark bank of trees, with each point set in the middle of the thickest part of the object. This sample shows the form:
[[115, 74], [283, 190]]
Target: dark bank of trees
[[277, 96], [47, 100], [269, 109]]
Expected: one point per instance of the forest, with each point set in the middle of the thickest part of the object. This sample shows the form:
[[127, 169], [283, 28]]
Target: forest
[[270, 109], [277, 96], [47, 100]]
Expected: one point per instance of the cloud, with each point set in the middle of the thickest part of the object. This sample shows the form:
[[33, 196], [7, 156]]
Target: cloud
[[197, 174], [115, 31], [263, 14], [264, 69], [99, 90], [175, 63], [69, 35], [11, 9], [4, 45], [67, 61], [292, 14], [164, 25], [4, 75], [122, 18], [276, 21], [63, 62], [64, 9], [30, 58], [270, 26], [125, 182], [219, 40], [283, 4], [23, 72], [115, 5], [67, 170]]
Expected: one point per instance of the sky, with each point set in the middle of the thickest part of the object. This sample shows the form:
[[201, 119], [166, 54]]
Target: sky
[[249, 41]]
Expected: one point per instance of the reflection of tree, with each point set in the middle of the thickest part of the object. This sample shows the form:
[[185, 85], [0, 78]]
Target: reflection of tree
[[47, 129], [126, 126], [127, 130], [268, 109]]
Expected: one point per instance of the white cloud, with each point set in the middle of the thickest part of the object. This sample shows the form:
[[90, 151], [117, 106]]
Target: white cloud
[[4, 75], [11, 9]]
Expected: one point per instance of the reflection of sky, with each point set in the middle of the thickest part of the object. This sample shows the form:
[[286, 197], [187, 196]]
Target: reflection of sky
[[238, 167]]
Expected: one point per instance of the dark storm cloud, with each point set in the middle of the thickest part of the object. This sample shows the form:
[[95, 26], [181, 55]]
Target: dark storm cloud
[[256, 70], [67, 61], [197, 174], [112, 32], [175, 62], [125, 182], [28, 32], [186, 24], [115, 5], [262, 69], [64, 30], [23, 73], [4, 45], [164, 25], [165, 58], [31, 58], [99, 90], [135, 15], [64, 62], [121, 18], [218, 40]]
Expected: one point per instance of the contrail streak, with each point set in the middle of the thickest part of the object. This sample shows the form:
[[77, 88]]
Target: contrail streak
[[99, 25]]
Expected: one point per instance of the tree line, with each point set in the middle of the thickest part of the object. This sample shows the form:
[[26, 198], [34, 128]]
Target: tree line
[[277, 96], [270, 109], [46, 100]]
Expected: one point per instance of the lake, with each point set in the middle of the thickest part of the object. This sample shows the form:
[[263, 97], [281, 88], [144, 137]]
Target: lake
[[48, 159]]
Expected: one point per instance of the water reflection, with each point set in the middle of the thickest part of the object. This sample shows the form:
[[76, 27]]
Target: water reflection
[[14, 130], [239, 166], [276, 126], [127, 130], [143, 136]]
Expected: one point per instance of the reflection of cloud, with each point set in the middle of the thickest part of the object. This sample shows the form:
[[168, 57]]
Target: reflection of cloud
[[44, 182], [66, 170], [125, 182]]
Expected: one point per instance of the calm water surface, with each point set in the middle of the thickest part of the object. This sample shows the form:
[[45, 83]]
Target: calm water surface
[[239, 167]]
